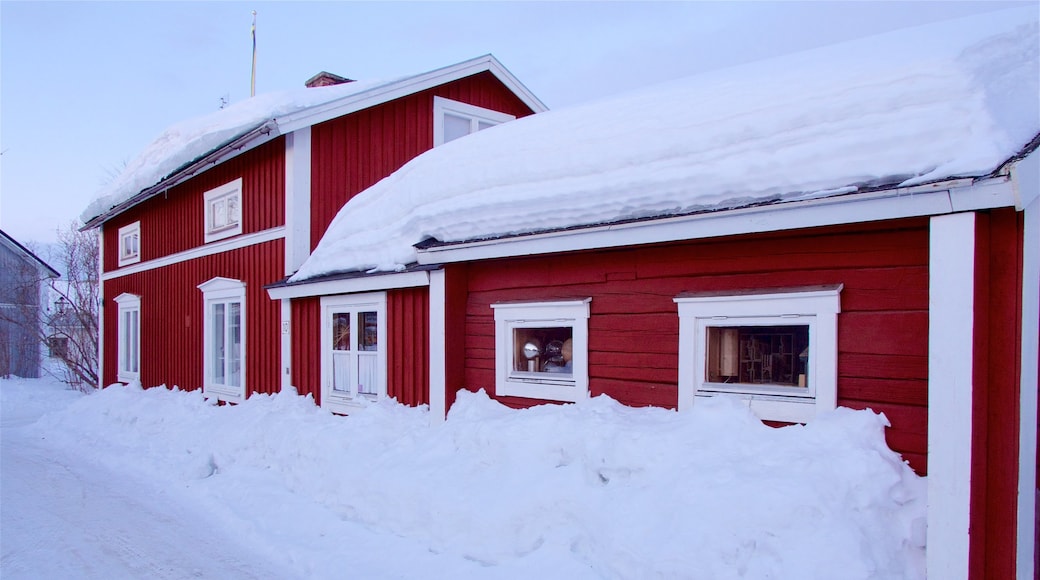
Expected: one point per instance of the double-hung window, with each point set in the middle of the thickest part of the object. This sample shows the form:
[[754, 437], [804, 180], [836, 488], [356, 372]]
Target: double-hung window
[[223, 210], [541, 349], [775, 349], [452, 119], [128, 347], [353, 351], [223, 343], [130, 244]]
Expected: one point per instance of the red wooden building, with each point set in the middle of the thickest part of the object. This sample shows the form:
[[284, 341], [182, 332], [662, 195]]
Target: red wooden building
[[188, 247], [901, 285]]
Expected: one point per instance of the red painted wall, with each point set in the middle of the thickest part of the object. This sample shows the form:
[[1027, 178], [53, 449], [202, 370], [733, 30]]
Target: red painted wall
[[634, 325], [351, 153], [996, 394], [407, 343], [174, 222], [172, 323]]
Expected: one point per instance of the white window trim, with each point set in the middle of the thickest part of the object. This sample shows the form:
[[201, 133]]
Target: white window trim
[[127, 303], [510, 315], [133, 229], [816, 307], [441, 106], [213, 291], [353, 303], [210, 197]]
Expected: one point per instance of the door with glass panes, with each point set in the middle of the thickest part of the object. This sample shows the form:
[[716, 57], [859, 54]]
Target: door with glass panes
[[353, 351]]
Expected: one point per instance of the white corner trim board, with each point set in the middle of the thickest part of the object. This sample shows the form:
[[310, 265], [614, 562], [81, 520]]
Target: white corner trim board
[[1027, 541], [297, 198], [438, 342], [951, 313]]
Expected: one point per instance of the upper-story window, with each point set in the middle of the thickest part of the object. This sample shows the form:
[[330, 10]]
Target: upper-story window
[[130, 244], [223, 211], [452, 119]]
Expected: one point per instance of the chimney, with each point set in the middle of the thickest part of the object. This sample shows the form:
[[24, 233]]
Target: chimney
[[325, 79]]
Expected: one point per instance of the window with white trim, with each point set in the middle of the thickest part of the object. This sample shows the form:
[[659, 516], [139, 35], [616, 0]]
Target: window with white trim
[[775, 349], [223, 209], [453, 119], [128, 347], [541, 349], [130, 244], [353, 351], [224, 339]]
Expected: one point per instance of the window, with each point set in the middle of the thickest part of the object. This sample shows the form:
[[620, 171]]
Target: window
[[128, 349], [452, 119], [223, 343], [58, 347], [223, 211], [775, 349], [130, 244], [353, 351], [541, 349]]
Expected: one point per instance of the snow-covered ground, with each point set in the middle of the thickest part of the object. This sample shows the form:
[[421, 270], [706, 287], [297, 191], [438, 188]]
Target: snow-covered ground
[[158, 483]]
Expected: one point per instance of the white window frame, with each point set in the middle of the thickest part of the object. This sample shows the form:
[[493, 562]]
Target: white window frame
[[130, 232], [336, 401], [222, 291], [128, 345], [816, 307], [214, 198], [513, 315], [475, 114]]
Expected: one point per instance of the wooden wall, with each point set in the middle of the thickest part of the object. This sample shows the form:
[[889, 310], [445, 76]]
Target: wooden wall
[[634, 325]]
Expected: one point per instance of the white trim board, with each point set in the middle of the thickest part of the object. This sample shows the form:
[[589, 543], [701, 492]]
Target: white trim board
[[352, 285], [1027, 442], [234, 243], [935, 199], [438, 348], [951, 318]]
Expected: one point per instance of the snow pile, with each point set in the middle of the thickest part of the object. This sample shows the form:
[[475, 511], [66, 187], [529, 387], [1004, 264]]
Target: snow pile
[[589, 490], [956, 98], [189, 140]]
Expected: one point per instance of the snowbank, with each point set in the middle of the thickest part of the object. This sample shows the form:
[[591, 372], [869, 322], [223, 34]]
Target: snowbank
[[589, 490], [956, 98]]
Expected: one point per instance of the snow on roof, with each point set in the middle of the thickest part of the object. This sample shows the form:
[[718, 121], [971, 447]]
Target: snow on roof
[[952, 99], [189, 140]]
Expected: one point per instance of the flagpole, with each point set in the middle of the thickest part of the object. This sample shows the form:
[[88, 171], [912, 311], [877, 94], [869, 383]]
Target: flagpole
[[252, 78]]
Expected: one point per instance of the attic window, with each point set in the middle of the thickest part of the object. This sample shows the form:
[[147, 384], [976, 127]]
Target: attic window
[[452, 119], [130, 244], [223, 209]]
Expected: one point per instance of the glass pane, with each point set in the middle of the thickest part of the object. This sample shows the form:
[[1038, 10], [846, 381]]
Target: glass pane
[[368, 331], [234, 345], [367, 373], [544, 350], [774, 355], [341, 372], [219, 214], [341, 331], [455, 127], [232, 210], [481, 125], [134, 341], [217, 356]]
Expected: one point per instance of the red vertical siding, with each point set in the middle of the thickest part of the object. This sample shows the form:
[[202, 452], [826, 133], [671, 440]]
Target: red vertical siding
[[351, 153], [172, 323], [306, 347], [173, 222], [633, 329], [995, 421], [408, 345]]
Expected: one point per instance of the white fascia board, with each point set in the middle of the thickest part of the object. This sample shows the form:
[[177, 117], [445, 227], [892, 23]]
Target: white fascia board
[[928, 200], [221, 246], [351, 285], [407, 86]]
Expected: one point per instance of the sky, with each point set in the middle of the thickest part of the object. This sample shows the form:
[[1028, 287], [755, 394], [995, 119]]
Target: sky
[[85, 86]]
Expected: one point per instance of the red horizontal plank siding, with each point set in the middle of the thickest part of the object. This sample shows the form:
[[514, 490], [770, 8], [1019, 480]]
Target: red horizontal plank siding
[[408, 345], [306, 347], [351, 153], [996, 395], [174, 221], [172, 323], [634, 324]]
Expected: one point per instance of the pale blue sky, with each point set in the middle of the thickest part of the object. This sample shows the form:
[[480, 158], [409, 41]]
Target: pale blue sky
[[84, 86]]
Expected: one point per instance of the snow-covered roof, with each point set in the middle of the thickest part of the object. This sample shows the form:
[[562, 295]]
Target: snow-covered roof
[[952, 99], [191, 146]]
